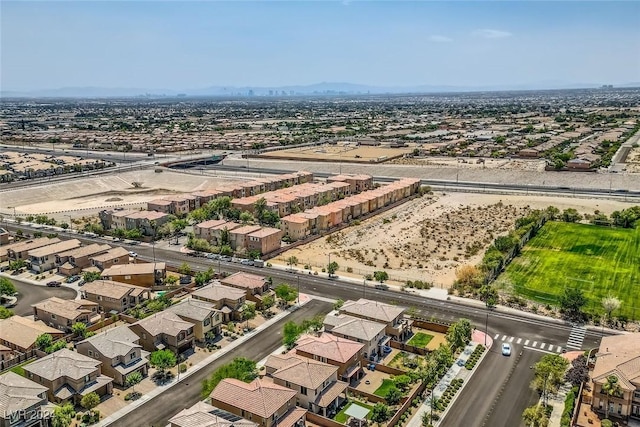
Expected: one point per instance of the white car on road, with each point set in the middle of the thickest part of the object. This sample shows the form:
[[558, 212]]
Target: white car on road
[[506, 349]]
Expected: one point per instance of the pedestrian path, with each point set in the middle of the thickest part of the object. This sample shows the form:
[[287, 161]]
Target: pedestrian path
[[576, 337], [529, 343]]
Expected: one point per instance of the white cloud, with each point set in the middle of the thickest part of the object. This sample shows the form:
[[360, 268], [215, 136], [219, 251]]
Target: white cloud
[[491, 34], [440, 39]]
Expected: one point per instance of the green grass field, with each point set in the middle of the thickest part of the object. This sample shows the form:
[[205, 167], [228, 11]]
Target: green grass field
[[420, 339], [384, 388], [599, 260]]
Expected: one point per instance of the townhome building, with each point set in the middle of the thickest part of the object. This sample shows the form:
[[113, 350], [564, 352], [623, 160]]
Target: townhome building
[[22, 399], [62, 314], [205, 317], [114, 297], [347, 355], [228, 300], [44, 258], [371, 334], [397, 326], [165, 330]]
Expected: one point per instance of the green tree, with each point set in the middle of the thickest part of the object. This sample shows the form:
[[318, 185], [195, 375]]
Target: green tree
[[606, 423], [292, 260], [90, 276], [246, 217], [459, 334], [79, 329], [332, 268], [571, 215], [290, 333], [571, 303], [610, 304], [248, 312], [63, 415], [162, 360], [5, 313], [267, 302], [90, 401], [611, 388], [489, 295], [549, 374], [403, 382], [380, 276], [286, 293], [133, 379], [535, 416], [260, 207], [380, 413], [43, 341], [394, 395], [552, 213], [240, 368], [6, 287], [338, 304], [185, 269], [225, 238]]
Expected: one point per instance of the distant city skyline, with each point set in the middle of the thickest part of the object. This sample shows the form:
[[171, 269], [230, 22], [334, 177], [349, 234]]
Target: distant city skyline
[[193, 45]]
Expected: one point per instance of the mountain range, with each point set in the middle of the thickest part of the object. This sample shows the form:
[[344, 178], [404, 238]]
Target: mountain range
[[324, 88]]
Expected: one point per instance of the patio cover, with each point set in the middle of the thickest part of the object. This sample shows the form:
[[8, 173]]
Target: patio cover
[[357, 411]]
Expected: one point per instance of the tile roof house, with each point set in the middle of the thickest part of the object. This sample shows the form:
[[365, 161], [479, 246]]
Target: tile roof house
[[20, 333], [114, 296], [113, 256], [139, 274], [392, 315], [255, 286], [206, 318], [265, 403], [370, 333], [73, 261], [68, 376], [20, 250], [62, 314], [265, 240], [618, 356], [164, 330], [204, 415], [20, 400], [315, 382], [119, 351], [347, 355], [44, 258], [224, 298]]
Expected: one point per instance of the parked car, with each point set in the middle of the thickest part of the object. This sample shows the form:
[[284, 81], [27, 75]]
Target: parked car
[[258, 263], [382, 286], [506, 349], [246, 262], [225, 258], [81, 282], [72, 279], [54, 284]]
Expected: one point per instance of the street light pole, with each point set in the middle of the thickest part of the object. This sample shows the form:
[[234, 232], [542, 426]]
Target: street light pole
[[364, 288], [486, 328], [298, 303], [70, 222]]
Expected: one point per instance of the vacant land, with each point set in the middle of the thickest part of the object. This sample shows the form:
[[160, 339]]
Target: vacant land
[[339, 153], [599, 260]]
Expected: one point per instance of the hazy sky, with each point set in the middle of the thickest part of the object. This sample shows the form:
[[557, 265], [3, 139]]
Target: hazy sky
[[187, 45]]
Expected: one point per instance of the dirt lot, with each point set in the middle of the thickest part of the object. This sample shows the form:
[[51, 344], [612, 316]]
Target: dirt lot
[[430, 237], [464, 163], [339, 152], [633, 161]]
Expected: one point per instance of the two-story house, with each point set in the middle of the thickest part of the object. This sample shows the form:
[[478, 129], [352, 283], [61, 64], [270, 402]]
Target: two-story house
[[24, 403], [316, 383], [256, 287], [119, 352], [20, 333], [68, 376], [143, 274], [73, 261], [114, 296], [164, 330], [347, 355], [265, 403], [224, 298], [618, 357], [204, 415], [62, 314], [397, 326], [44, 258], [205, 317], [20, 251], [114, 256], [370, 333]]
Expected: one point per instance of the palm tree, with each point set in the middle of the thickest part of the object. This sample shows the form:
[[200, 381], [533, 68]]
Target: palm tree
[[612, 389]]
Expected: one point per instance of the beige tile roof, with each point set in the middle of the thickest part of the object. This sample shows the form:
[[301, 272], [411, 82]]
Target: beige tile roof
[[258, 397], [33, 244], [204, 415], [114, 342], [133, 269], [111, 254], [372, 309], [193, 309], [292, 417], [265, 232], [69, 309], [329, 346], [56, 248], [211, 223], [111, 289], [63, 363], [354, 327], [217, 292], [82, 251], [244, 280], [18, 393], [301, 370], [164, 323], [23, 332], [619, 355]]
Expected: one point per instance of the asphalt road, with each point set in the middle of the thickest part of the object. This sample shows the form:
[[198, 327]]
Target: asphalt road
[[157, 411], [30, 294]]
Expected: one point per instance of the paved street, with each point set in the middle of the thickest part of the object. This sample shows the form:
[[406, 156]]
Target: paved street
[[157, 411], [30, 294]]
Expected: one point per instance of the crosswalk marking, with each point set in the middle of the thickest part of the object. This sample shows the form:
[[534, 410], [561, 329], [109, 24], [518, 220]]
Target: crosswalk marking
[[519, 341], [559, 349], [576, 337], [534, 343], [496, 337], [511, 339], [531, 345], [504, 337], [542, 345]]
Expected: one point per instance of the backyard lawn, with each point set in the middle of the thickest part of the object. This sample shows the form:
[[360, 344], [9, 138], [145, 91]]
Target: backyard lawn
[[599, 260], [384, 388], [341, 417], [420, 339]]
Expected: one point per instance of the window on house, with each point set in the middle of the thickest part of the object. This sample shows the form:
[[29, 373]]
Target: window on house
[[303, 390], [132, 356], [86, 378], [207, 321], [127, 277], [90, 353]]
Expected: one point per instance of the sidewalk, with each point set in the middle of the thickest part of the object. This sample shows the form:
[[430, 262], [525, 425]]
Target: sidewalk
[[454, 372], [161, 389]]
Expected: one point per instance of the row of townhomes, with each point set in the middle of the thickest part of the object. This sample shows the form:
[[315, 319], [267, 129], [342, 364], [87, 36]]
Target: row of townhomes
[[18, 166], [146, 221], [241, 237], [322, 218], [313, 377], [70, 257]]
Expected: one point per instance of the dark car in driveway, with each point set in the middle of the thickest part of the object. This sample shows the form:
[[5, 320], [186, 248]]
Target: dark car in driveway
[[53, 284]]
